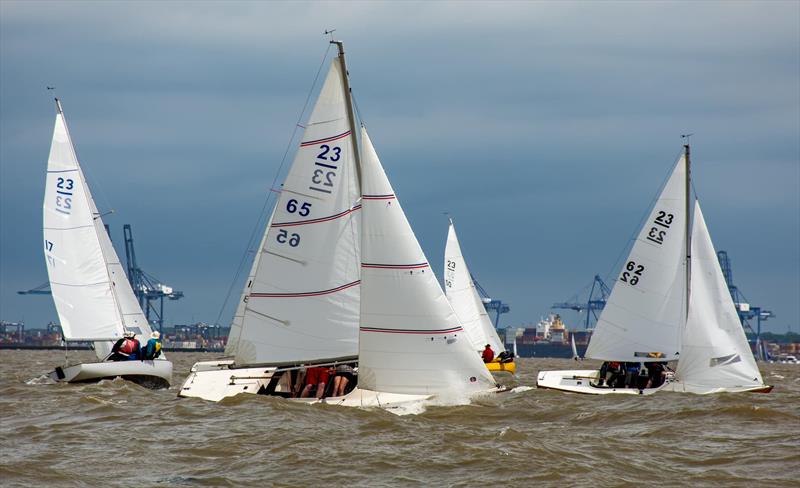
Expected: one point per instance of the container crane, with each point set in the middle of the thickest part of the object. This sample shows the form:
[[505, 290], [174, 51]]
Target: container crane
[[598, 295], [747, 313], [147, 288]]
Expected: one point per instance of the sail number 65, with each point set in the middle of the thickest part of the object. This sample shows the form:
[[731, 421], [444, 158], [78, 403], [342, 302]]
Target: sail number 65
[[284, 237]]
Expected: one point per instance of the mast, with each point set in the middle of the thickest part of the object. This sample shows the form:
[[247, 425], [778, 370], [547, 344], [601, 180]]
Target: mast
[[350, 113], [686, 233]]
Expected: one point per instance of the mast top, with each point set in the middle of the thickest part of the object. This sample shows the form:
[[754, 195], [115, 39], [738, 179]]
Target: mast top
[[59, 110], [686, 145]]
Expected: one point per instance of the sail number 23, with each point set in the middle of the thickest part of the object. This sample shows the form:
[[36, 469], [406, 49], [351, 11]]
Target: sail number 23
[[325, 171], [662, 223], [632, 273], [64, 187]]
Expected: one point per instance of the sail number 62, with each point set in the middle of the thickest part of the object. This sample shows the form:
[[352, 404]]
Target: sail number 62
[[632, 273]]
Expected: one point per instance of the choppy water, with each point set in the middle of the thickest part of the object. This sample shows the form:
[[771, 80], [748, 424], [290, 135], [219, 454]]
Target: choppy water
[[118, 434]]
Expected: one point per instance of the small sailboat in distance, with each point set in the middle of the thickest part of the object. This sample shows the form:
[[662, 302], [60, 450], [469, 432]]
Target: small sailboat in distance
[[669, 303], [575, 355], [467, 303], [92, 295]]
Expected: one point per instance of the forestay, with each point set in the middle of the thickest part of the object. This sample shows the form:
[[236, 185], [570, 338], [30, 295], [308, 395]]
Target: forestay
[[300, 302], [410, 340], [464, 298], [93, 298], [643, 316], [715, 354]]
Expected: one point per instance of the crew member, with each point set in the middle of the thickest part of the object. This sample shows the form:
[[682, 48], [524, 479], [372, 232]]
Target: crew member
[[126, 348], [488, 354], [316, 379], [153, 348]]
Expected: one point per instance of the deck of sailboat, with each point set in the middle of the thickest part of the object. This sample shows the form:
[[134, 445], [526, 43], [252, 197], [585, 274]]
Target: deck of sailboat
[[583, 381]]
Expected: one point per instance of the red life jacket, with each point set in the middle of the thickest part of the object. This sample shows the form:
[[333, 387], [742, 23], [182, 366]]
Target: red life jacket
[[488, 355], [129, 346]]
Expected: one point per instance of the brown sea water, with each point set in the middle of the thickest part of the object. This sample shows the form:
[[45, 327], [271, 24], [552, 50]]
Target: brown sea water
[[115, 433]]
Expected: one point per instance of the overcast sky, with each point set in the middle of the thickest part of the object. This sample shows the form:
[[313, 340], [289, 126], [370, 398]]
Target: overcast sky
[[545, 129]]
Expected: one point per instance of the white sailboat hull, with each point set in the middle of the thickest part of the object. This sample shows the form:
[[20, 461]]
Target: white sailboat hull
[[152, 374], [216, 380], [582, 381]]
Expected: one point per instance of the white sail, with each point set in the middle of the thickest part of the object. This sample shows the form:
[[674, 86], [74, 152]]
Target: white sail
[[93, 298], [464, 297], [643, 316], [238, 315], [303, 297], [715, 355], [410, 340], [574, 347]]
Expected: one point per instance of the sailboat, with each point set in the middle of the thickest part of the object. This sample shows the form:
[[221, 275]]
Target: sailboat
[[340, 279], [93, 298], [467, 303], [670, 303], [575, 354]]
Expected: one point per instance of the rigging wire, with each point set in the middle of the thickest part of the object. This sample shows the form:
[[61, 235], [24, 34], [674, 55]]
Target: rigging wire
[[260, 222]]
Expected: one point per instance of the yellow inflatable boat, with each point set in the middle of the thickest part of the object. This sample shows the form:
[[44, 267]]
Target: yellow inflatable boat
[[497, 367]]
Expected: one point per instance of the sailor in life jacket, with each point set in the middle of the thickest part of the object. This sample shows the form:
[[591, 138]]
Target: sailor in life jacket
[[153, 348], [126, 348]]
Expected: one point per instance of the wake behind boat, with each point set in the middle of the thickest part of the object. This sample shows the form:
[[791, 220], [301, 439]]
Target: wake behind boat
[[670, 303], [341, 305], [93, 298]]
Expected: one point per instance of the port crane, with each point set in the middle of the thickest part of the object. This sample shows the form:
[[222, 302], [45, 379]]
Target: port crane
[[747, 313], [598, 295], [149, 290]]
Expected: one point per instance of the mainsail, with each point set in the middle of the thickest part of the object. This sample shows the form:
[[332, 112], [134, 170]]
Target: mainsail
[[93, 298], [410, 340], [715, 354], [643, 318], [301, 300], [464, 298]]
